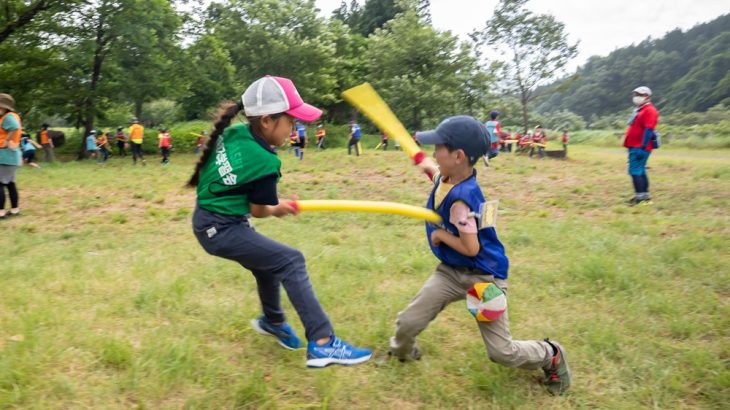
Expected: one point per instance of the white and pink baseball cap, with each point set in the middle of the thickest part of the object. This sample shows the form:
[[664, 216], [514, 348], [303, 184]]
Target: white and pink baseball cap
[[272, 95]]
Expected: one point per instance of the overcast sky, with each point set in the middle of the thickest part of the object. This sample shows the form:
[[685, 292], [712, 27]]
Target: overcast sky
[[601, 26]]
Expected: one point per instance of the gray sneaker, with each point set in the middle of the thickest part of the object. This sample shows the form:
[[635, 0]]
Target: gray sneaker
[[557, 373]]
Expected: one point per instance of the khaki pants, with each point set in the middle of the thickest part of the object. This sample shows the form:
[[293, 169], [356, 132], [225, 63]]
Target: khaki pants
[[448, 284]]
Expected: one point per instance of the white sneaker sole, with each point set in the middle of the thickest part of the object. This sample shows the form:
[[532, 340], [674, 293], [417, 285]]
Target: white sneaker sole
[[261, 330], [324, 362]]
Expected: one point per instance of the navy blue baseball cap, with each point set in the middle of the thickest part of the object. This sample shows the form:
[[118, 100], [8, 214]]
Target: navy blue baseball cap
[[460, 132], [494, 114]]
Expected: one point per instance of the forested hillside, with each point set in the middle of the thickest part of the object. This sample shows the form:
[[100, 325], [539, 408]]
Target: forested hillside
[[688, 72]]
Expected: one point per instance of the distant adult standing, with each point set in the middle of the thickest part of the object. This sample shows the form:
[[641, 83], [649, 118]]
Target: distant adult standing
[[494, 131], [136, 137], [302, 135], [10, 130], [354, 138], [46, 142], [565, 140], [640, 141]]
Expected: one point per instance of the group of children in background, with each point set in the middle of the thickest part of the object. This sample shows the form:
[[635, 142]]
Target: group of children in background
[[98, 143], [501, 141]]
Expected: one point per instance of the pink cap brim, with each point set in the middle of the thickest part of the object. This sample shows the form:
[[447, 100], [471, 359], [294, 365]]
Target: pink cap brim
[[305, 112]]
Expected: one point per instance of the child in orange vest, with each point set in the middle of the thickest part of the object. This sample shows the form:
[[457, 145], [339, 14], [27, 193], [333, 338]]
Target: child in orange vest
[[321, 133], [165, 144]]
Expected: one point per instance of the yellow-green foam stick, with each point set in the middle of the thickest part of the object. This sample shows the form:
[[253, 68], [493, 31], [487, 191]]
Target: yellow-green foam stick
[[393, 208], [366, 99]]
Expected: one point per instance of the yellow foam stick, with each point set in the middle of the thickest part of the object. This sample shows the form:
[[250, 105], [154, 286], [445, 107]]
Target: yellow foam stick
[[366, 99], [368, 206]]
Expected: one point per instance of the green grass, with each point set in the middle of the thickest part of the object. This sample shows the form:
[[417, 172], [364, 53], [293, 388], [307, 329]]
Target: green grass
[[107, 300]]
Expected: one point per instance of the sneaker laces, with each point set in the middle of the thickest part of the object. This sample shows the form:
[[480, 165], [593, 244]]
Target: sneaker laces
[[340, 348]]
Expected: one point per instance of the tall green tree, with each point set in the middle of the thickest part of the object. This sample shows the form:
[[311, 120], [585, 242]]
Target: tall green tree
[[536, 48], [279, 37], [118, 53], [424, 75], [32, 64], [210, 77], [375, 13], [16, 14], [147, 55]]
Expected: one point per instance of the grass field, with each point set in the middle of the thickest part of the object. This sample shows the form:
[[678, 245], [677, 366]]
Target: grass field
[[107, 300]]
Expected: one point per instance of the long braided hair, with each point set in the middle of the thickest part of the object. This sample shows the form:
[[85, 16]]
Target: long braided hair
[[226, 111]]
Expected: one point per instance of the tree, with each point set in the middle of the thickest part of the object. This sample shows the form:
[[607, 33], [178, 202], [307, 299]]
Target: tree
[[15, 16], [375, 13], [423, 74], [121, 43], [279, 37], [210, 77], [536, 46], [147, 54], [33, 67]]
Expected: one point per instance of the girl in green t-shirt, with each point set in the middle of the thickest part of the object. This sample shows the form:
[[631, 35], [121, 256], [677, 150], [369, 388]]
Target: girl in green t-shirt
[[236, 179]]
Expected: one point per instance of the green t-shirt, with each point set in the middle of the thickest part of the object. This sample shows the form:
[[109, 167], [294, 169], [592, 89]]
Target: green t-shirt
[[239, 159]]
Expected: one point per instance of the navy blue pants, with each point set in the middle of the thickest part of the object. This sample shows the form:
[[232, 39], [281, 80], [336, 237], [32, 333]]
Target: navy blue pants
[[273, 264]]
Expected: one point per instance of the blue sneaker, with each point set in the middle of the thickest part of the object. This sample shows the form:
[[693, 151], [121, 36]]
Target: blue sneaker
[[336, 351], [283, 333]]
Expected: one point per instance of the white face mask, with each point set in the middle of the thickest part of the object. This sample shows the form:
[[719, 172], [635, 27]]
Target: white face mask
[[638, 100]]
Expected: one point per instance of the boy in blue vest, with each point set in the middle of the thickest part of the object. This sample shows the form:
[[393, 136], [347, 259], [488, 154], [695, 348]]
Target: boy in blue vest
[[468, 255]]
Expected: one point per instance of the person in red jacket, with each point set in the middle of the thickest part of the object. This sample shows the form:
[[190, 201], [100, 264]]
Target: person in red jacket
[[640, 141]]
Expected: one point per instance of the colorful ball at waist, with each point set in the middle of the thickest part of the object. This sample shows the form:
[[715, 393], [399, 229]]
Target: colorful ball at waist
[[486, 301]]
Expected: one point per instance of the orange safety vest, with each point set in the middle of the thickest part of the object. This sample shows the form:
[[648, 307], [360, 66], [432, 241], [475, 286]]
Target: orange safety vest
[[4, 133], [136, 133], [44, 136], [320, 133]]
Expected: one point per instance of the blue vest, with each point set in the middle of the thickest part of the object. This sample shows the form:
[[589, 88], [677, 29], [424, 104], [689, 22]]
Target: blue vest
[[491, 258], [356, 132]]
